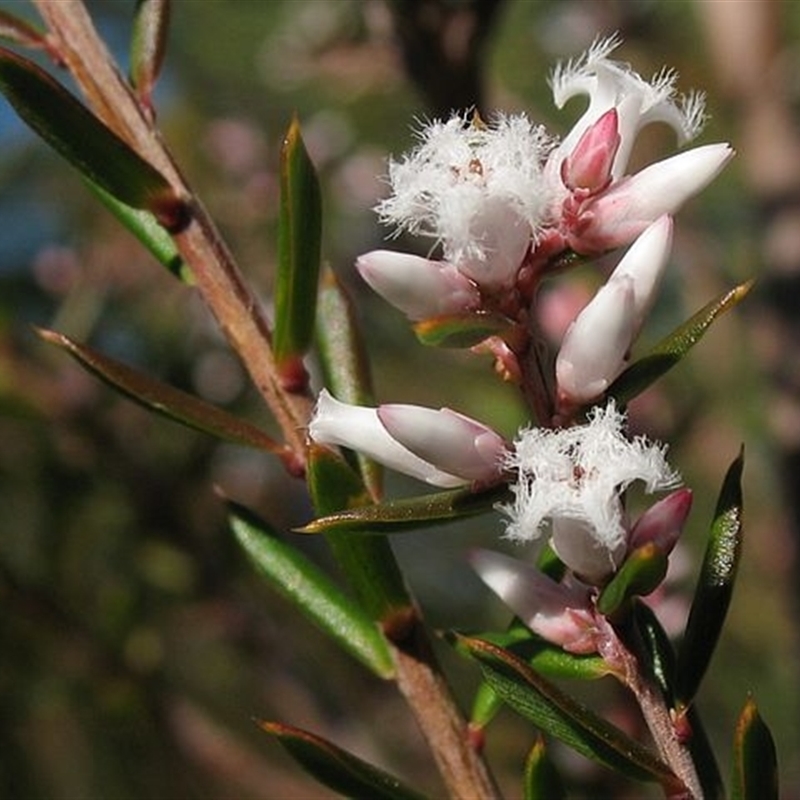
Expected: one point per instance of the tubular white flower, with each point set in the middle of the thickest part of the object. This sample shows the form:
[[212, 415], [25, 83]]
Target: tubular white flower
[[476, 189], [617, 216], [594, 347], [419, 287], [611, 84], [454, 442], [359, 428], [557, 612], [577, 474]]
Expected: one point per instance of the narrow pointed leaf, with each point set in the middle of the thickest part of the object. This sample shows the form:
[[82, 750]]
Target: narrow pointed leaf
[[755, 762], [164, 399], [714, 586], [411, 513], [312, 591], [299, 236], [338, 769], [343, 358], [367, 562], [485, 706], [641, 573], [148, 43], [542, 781], [670, 350], [86, 142], [460, 330], [146, 228], [558, 715]]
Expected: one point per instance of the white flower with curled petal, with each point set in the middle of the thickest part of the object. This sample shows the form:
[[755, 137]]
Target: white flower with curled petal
[[574, 477], [611, 84], [477, 190]]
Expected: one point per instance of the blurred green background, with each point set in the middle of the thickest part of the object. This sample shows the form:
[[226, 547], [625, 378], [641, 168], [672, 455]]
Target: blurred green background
[[136, 644]]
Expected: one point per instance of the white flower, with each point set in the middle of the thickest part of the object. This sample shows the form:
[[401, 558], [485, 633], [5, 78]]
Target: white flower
[[595, 348], [419, 287], [475, 189], [611, 84], [575, 477], [441, 447]]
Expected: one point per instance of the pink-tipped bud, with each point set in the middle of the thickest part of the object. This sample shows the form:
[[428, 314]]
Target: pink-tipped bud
[[419, 287], [359, 428], [617, 216], [663, 522], [455, 443], [588, 166], [557, 612]]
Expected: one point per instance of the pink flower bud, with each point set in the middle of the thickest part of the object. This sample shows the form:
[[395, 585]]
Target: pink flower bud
[[588, 166], [359, 428], [420, 288], [617, 216], [663, 522], [455, 443], [576, 544], [557, 612]]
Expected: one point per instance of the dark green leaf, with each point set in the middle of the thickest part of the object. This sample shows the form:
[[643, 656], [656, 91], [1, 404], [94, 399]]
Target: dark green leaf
[[83, 140], [164, 399], [670, 350], [302, 582], [150, 27], [339, 770], [368, 562], [299, 236], [144, 226], [642, 572], [460, 330], [558, 715], [343, 358], [755, 762], [411, 513], [714, 586], [542, 781]]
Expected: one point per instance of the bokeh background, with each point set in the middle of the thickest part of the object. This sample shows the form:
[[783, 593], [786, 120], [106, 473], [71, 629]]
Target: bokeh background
[[136, 644]]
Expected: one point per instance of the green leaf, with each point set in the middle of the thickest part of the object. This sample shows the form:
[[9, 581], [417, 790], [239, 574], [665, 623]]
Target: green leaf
[[542, 781], [148, 43], [145, 227], [368, 562], [343, 358], [410, 513], [558, 715], [86, 142], [641, 573], [321, 600], [670, 350], [166, 400], [714, 587], [461, 330], [755, 762], [299, 237], [338, 769]]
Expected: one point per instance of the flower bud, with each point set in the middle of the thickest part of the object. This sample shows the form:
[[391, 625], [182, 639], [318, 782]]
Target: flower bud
[[588, 166], [419, 287], [455, 443], [617, 216], [594, 348], [557, 612], [359, 428], [663, 522]]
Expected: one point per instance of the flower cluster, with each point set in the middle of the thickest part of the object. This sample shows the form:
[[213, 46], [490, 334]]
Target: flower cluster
[[506, 205]]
